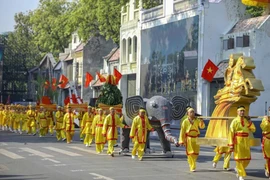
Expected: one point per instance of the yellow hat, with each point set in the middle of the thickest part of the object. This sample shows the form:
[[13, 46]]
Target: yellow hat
[[190, 109], [111, 108], [142, 110], [89, 107], [240, 108]]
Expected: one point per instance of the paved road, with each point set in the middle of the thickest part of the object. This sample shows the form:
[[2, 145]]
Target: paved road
[[30, 157]]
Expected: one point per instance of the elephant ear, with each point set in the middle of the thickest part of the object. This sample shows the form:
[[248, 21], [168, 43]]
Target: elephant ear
[[179, 104], [133, 105]]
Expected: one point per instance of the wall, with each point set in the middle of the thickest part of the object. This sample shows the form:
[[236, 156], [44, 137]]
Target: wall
[[94, 50], [261, 55], [216, 19]]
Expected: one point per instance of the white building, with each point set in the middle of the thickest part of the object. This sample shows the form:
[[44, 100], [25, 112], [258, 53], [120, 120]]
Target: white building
[[252, 37], [154, 63]]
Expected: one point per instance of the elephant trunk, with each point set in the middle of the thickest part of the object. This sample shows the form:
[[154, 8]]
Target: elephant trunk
[[167, 131]]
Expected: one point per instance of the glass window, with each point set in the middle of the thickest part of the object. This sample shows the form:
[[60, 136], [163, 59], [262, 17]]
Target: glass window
[[239, 41], [231, 43], [246, 41]]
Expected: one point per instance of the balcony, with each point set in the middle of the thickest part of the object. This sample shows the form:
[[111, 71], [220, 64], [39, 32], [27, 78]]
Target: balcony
[[153, 13], [185, 5]]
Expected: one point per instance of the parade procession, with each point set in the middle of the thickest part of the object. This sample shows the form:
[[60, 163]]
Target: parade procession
[[230, 127], [135, 89]]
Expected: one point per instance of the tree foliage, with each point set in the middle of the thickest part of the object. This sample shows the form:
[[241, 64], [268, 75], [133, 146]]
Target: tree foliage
[[21, 41], [255, 11], [110, 95], [51, 25]]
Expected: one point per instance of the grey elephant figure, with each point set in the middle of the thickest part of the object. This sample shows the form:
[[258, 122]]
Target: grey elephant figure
[[160, 112]]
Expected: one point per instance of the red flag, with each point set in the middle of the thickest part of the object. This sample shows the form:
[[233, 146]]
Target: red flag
[[117, 75], [54, 87], [63, 81], [74, 99], [101, 78], [67, 100], [209, 71], [88, 79], [46, 84]]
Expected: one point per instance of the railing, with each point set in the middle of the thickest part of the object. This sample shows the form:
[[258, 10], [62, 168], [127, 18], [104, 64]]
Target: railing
[[153, 13], [185, 5]]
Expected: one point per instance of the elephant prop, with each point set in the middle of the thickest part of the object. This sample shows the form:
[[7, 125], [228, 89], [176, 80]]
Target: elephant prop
[[160, 112]]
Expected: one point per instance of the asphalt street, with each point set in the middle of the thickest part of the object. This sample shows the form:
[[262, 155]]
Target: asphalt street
[[28, 157]]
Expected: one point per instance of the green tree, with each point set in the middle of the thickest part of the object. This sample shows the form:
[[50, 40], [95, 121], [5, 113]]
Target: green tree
[[21, 41], [255, 11], [110, 95], [51, 26]]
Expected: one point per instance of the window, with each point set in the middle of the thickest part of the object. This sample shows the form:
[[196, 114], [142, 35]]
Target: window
[[239, 41], [230, 43], [75, 39], [246, 41], [225, 44]]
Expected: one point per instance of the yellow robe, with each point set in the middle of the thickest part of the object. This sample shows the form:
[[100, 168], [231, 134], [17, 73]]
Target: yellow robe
[[59, 115], [139, 129], [87, 123], [265, 126], [97, 129], [2, 117], [189, 134], [110, 127], [30, 118], [239, 138], [42, 119], [68, 122]]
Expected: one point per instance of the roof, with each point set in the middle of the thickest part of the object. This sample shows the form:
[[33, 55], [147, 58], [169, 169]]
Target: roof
[[115, 56], [33, 69], [68, 58], [97, 83], [79, 47], [111, 53], [249, 24], [222, 66], [51, 59], [58, 66]]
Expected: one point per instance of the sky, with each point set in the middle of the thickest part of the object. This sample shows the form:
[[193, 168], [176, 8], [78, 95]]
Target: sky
[[8, 8]]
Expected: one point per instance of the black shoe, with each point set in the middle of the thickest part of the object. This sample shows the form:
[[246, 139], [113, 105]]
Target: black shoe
[[112, 155]]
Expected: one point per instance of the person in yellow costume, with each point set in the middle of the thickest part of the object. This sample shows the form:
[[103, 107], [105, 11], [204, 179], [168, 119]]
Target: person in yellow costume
[[81, 125], [2, 114], [109, 130], [68, 124], [6, 117], [31, 122], [24, 120], [239, 141], [87, 121], [220, 150], [16, 119], [188, 137], [265, 126], [138, 133], [97, 131], [11, 118], [43, 122], [59, 115], [49, 117]]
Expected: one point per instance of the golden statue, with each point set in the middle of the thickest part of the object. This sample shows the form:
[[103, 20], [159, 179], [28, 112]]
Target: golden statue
[[240, 88]]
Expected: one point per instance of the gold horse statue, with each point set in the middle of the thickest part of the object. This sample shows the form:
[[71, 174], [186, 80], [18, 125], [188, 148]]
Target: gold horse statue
[[240, 88]]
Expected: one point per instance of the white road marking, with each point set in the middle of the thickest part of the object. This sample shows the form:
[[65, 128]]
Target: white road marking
[[59, 165], [37, 153], [85, 150], [98, 176], [78, 170], [10, 154], [3, 144], [52, 160], [63, 151]]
